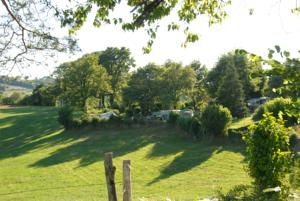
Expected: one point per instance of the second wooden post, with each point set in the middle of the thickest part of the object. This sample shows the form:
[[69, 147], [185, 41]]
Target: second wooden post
[[126, 181]]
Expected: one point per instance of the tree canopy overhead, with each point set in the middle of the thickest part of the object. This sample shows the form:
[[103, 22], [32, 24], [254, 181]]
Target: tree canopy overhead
[[146, 14], [28, 26]]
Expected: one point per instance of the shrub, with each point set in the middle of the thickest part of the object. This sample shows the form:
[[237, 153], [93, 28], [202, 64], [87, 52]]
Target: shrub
[[76, 123], [26, 100], [128, 121], [91, 104], [115, 120], [65, 117], [196, 127], [236, 134], [275, 106], [12, 99], [293, 139], [95, 120], [237, 193], [139, 119], [216, 120], [133, 111], [269, 155], [184, 124], [85, 120], [173, 117]]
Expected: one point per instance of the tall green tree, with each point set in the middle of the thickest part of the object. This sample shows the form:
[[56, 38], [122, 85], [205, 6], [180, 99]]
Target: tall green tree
[[230, 93], [285, 75], [144, 88], [288, 74], [199, 95], [44, 95], [177, 82], [250, 74], [81, 79], [117, 62]]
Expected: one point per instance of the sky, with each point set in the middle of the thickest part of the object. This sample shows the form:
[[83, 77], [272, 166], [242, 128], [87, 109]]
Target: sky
[[271, 23]]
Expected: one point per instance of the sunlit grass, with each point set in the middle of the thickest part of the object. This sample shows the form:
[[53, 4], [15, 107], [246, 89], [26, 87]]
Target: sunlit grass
[[40, 161], [239, 123]]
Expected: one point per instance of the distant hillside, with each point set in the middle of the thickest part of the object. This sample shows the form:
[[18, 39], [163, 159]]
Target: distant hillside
[[8, 84]]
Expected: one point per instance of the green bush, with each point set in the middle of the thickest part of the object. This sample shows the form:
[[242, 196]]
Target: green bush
[[173, 117], [185, 124], [269, 155], [13, 99], [216, 120], [85, 120], [115, 120], [65, 117], [91, 104], [95, 121], [236, 134], [128, 121], [76, 123], [196, 127], [293, 139], [275, 106]]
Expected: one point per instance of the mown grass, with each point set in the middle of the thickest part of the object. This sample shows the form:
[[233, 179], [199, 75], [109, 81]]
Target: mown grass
[[240, 123], [41, 161]]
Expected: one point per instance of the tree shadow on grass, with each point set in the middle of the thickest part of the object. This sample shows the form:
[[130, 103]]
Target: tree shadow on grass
[[190, 155], [95, 143], [29, 129], [26, 128]]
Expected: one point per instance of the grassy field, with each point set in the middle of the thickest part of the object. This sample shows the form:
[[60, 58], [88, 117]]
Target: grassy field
[[40, 161], [240, 123]]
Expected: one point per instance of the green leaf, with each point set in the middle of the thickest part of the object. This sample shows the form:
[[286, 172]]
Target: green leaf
[[277, 47], [241, 51], [286, 54], [271, 52]]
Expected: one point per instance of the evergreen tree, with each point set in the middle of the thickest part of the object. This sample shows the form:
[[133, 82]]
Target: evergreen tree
[[249, 73], [231, 94]]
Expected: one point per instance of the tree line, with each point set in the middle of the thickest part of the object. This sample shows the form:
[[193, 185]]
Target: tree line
[[111, 76]]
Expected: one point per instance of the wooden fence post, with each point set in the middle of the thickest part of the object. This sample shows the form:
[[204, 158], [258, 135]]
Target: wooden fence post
[[126, 181], [110, 176]]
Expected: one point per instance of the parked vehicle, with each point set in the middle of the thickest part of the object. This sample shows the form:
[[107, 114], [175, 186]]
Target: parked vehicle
[[255, 102], [165, 114], [107, 115]]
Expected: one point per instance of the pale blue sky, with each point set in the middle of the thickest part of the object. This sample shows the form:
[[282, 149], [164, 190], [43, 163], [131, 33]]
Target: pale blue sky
[[272, 23]]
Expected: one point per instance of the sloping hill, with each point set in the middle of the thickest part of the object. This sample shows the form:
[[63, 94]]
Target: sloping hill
[[15, 84]]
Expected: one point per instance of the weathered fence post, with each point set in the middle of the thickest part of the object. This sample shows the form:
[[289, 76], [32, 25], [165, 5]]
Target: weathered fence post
[[110, 176], [126, 181]]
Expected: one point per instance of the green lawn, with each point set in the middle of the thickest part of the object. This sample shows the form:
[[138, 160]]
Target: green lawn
[[240, 123], [40, 161]]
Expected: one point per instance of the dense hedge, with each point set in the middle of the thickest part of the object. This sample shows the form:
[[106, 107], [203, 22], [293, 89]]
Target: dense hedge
[[173, 118], [213, 121], [75, 120], [275, 107], [216, 119]]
